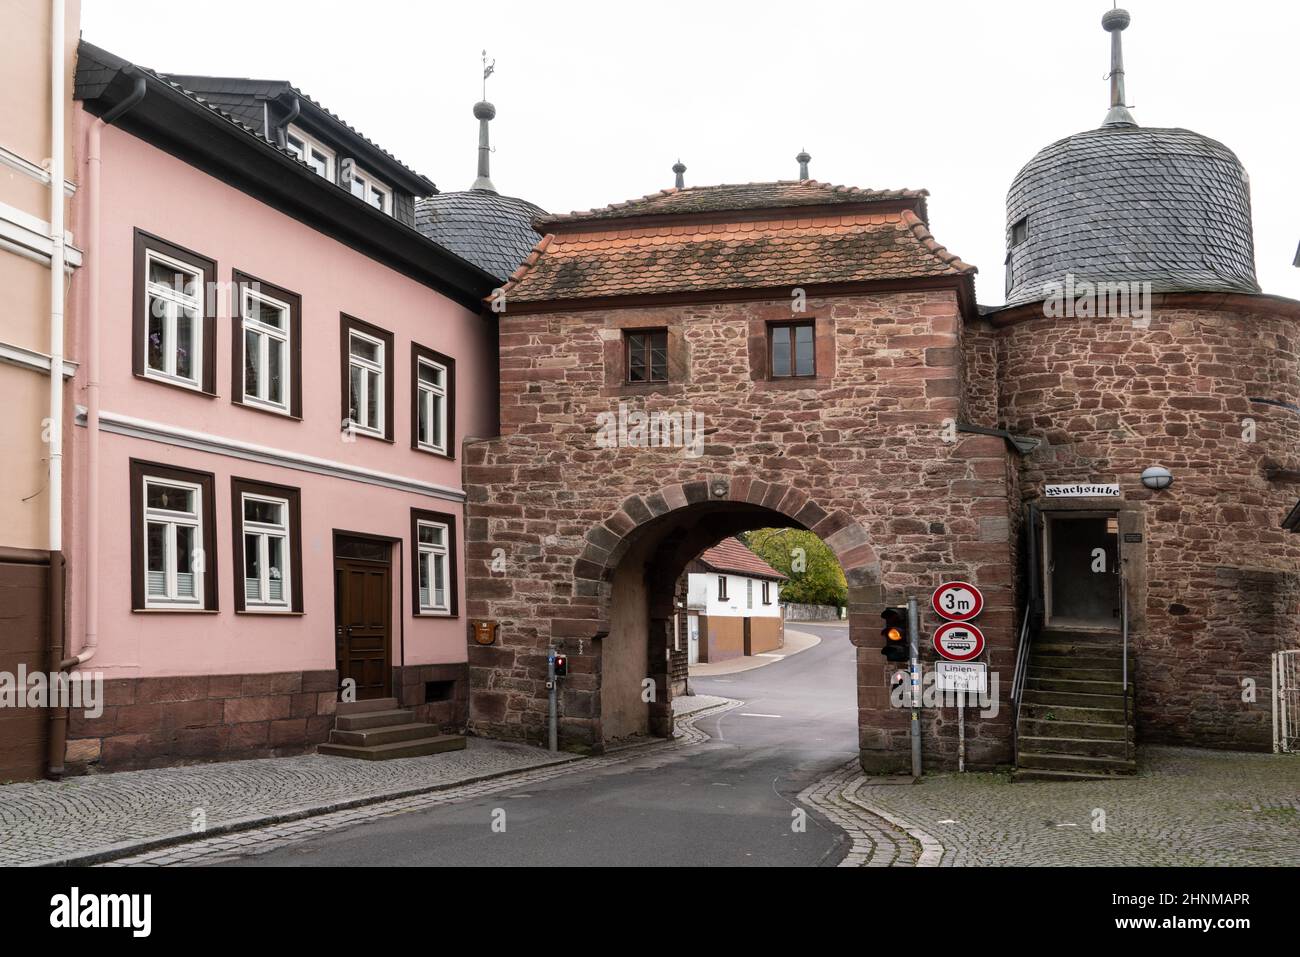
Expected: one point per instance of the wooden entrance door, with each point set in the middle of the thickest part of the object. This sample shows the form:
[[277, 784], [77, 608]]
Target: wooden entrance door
[[363, 618]]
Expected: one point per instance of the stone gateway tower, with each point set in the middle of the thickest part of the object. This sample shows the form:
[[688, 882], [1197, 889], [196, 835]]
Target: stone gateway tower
[[1109, 457]]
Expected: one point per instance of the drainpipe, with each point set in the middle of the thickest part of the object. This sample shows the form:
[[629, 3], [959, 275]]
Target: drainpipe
[[59, 716], [279, 135]]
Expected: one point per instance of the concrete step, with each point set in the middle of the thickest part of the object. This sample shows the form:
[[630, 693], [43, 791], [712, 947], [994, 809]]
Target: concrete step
[[1036, 659], [1090, 747], [1094, 730], [370, 704], [1076, 762], [434, 744], [1041, 774], [1066, 699], [1071, 670], [1040, 712], [1076, 686], [1098, 649], [1101, 636], [366, 737], [372, 719]]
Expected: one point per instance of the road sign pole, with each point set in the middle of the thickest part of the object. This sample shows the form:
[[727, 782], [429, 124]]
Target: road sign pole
[[914, 666], [961, 729], [552, 737]]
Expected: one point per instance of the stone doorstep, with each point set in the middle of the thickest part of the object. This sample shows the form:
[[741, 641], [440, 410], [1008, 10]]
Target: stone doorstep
[[130, 848]]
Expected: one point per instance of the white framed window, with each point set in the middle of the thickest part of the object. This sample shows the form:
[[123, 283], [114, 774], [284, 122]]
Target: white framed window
[[266, 350], [312, 152], [366, 385], [749, 593], [173, 543], [266, 552], [434, 574], [431, 405], [173, 327], [366, 187]]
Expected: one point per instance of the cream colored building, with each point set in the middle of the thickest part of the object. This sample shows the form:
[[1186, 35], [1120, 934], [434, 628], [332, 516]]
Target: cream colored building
[[36, 122]]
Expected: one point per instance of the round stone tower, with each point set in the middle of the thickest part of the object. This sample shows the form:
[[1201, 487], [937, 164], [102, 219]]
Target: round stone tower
[[1135, 336]]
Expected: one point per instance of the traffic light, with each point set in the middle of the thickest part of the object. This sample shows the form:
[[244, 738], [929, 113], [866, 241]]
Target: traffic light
[[561, 666], [894, 634]]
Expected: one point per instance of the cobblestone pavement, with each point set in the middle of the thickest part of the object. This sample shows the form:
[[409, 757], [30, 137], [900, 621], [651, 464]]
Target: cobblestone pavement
[[64, 821], [1186, 807], [224, 847]]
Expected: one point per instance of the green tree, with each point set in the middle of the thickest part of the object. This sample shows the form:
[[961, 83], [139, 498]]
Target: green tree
[[815, 575]]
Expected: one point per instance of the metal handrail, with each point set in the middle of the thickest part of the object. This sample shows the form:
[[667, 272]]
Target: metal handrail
[[1018, 681], [1123, 616]]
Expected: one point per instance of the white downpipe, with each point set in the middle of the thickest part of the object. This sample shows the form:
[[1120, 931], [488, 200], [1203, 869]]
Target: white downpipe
[[91, 564], [57, 233]]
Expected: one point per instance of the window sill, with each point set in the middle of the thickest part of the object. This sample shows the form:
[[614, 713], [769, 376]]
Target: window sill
[[267, 409], [366, 434], [671, 387], [436, 614], [176, 384], [434, 452], [175, 611], [271, 612], [788, 383]]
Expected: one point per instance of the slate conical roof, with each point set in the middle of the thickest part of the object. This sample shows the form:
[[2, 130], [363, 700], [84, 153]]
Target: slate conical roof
[[1125, 204], [1129, 203], [493, 232]]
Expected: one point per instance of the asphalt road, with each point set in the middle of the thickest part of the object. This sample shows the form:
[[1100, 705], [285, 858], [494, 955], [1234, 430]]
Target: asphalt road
[[727, 802]]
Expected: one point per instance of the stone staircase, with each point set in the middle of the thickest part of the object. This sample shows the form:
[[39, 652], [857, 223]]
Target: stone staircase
[[378, 730], [1072, 723]]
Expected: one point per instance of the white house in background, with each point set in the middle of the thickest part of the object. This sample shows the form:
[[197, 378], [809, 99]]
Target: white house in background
[[732, 604]]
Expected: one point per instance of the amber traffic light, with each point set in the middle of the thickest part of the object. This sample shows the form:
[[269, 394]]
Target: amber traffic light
[[894, 634]]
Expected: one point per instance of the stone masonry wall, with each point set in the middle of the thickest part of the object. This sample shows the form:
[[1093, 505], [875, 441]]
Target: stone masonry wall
[[856, 454], [157, 722], [1111, 398]]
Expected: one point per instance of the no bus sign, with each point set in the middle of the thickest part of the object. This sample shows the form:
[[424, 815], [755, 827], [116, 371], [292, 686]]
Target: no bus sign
[[958, 641], [957, 601]]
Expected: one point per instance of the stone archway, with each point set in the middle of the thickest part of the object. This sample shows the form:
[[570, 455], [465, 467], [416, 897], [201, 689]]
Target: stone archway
[[624, 581]]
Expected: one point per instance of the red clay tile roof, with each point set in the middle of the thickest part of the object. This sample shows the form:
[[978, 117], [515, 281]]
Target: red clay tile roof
[[735, 197], [732, 555], [623, 258]]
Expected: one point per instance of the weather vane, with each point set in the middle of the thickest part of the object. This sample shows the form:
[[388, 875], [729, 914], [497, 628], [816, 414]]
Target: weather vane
[[488, 68]]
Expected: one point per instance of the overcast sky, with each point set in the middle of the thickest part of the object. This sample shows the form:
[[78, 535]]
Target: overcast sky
[[595, 101]]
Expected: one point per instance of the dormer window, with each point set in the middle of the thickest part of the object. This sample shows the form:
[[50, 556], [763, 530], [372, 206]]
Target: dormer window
[[1019, 231], [319, 157], [365, 187]]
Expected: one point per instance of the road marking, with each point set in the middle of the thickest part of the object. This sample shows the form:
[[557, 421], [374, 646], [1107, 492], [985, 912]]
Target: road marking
[[754, 714], [768, 654]]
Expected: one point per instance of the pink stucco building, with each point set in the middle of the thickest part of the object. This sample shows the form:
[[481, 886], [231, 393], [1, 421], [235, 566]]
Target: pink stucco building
[[277, 370]]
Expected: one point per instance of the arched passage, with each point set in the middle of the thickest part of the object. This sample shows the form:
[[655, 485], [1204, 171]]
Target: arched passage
[[631, 564]]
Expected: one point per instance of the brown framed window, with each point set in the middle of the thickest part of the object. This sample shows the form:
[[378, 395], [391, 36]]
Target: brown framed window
[[366, 359], [646, 355], [767, 593], [173, 539], [174, 329], [434, 590], [433, 401], [266, 522], [722, 588], [791, 350], [266, 353]]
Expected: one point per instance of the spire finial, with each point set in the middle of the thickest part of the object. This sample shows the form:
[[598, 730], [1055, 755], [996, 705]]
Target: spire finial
[[803, 159], [680, 169], [484, 112], [1113, 22]]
